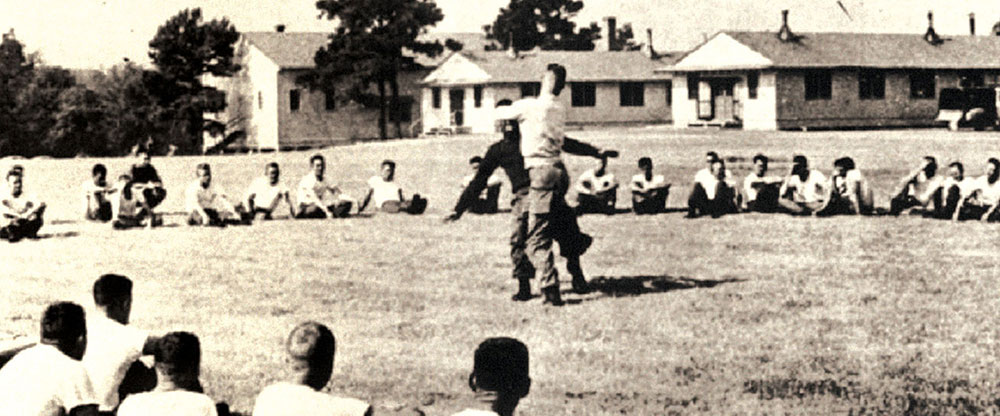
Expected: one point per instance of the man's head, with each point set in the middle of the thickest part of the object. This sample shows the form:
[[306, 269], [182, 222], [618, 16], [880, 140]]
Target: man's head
[[718, 169], [602, 163], [113, 295], [474, 163], [956, 170], [273, 173], [311, 347], [142, 156], [800, 166], [843, 165], [388, 170], [711, 157], [993, 169], [64, 326], [100, 174], [204, 175], [554, 79], [930, 166], [318, 165], [645, 164], [501, 365], [760, 164], [14, 182], [178, 358]]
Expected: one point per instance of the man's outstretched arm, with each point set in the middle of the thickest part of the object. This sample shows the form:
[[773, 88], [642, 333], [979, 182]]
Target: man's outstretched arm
[[576, 147]]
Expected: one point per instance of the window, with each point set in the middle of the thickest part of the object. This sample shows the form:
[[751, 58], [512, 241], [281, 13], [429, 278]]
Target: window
[[922, 84], [436, 97], [293, 100], [530, 89], [871, 84], [753, 81], [477, 95], [329, 100], [818, 85], [631, 94], [584, 94], [260, 100], [669, 87], [971, 79], [692, 87]]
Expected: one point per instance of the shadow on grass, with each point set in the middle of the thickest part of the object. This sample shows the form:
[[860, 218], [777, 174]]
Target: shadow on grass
[[646, 284]]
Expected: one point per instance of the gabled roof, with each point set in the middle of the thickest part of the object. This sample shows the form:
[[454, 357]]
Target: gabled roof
[[296, 50], [872, 50], [500, 67]]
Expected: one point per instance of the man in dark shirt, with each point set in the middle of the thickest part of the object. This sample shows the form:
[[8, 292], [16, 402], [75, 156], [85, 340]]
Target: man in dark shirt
[[506, 154], [147, 182]]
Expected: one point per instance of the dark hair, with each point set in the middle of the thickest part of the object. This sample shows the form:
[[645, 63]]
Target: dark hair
[[957, 165], [500, 364], [204, 166], [845, 162], [761, 158], [475, 159], [178, 352], [316, 157], [311, 342], [111, 288], [645, 162], [98, 168], [271, 165], [560, 73], [14, 172], [713, 155], [994, 162], [63, 322], [389, 163], [800, 160], [18, 168]]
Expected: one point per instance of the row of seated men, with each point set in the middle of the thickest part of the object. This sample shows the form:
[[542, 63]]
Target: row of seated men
[[88, 364]]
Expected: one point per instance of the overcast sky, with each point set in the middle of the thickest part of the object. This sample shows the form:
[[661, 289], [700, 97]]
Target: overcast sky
[[99, 33]]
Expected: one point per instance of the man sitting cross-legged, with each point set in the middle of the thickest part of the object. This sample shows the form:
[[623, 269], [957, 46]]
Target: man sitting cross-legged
[[48, 379], [597, 190], [318, 197], [129, 211], [488, 200], [21, 213], [955, 188], [96, 195], [388, 196], [311, 348], [920, 191], [147, 185], [178, 390], [803, 190], [266, 192], [848, 191], [499, 376], [982, 202], [715, 194], [649, 191], [760, 191], [207, 206]]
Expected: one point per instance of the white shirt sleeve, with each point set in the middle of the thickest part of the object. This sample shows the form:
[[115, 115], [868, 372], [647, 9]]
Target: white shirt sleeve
[[515, 111], [76, 389], [191, 197]]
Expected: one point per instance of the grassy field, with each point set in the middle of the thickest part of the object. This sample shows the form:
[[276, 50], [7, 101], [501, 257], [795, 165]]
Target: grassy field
[[749, 313]]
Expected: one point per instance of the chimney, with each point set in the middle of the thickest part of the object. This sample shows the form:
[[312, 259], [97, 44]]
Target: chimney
[[972, 24], [931, 36], [650, 52], [785, 33], [511, 50], [280, 28], [612, 22]]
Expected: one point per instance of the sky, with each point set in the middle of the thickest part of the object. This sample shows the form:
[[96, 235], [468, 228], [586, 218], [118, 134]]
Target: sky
[[100, 33]]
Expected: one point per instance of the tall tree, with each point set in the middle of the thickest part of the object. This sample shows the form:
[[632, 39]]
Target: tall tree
[[542, 23], [184, 49], [625, 39], [15, 72], [78, 125], [36, 109], [131, 113]]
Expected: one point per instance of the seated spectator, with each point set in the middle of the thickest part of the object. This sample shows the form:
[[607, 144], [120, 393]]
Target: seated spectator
[[128, 211], [113, 347], [649, 191], [147, 185], [803, 190], [848, 191], [22, 214], [759, 190], [388, 196], [982, 202], [955, 188], [318, 197], [178, 390], [488, 200], [48, 379], [597, 190], [266, 192], [920, 191], [499, 377], [4, 189], [311, 348], [713, 195], [207, 206], [96, 195]]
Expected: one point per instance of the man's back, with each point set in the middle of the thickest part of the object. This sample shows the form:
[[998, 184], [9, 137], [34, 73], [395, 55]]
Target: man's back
[[290, 399], [111, 349], [168, 403], [42, 381]]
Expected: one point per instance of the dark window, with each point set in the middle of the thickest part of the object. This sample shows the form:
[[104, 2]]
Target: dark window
[[260, 100], [922, 84], [477, 95], [971, 79], [293, 100], [871, 84], [669, 86], [530, 89], [584, 94], [818, 85], [692, 87], [631, 94], [402, 111], [329, 100], [436, 97], [753, 81]]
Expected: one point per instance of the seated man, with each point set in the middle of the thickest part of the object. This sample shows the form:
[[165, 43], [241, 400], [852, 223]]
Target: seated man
[[803, 190], [318, 197], [311, 348], [266, 192], [713, 195], [597, 190], [128, 211], [982, 202], [147, 185], [920, 190], [955, 188], [388, 196], [760, 190], [649, 191], [499, 377], [178, 390], [96, 195], [207, 206], [848, 191], [487, 203], [48, 379], [21, 213]]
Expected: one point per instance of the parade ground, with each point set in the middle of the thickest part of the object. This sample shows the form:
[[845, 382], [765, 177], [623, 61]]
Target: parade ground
[[745, 314]]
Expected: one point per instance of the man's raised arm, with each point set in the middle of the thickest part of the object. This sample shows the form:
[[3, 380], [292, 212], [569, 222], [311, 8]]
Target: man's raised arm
[[576, 147]]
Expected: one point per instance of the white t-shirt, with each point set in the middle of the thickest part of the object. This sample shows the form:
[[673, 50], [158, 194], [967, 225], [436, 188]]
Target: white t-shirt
[[264, 194], [811, 190], [383, 191], [90, 189], [18, 205], [597, 183], [924, 187], [111, 349], [287, 399], [313, 191], [753, 177], [640, 183], [851, 180], [966, 186], [709, 181], [197, 196], [168, 403], [42, 381], [542, 121], [988, 193]]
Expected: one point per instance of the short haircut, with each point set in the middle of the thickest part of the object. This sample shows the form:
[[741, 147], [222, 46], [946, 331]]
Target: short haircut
[[994, 162], [475, 159], [560, 73], [760, 157], [389, 163], [845, 162], [14, 172], [178, 353], [931, 159], [311, 342], [63, 322], [957, 165], [500, 364], [711, 154], [799, 160], [271, 165], [645, 162], [204, 167], [18, 168], [111, 288], [316, 157], [99, 168]]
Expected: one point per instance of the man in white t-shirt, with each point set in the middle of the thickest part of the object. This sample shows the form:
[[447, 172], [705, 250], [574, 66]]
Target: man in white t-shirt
[[488, 201], [597, 190], [804, 189], [388, 196], [760, 191], [499, 376], [20, 213], [649, 191], [311, 347], [956, 187], [714, 194], [848, 192], [920, 191], [318, 197], [207, 206], [96, 195], [178, 390], [266, 192], [48, 379], [982, 202]]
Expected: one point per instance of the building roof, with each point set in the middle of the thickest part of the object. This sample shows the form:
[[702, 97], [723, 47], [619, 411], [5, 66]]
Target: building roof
[[467, 67], [296, 50], [874, 50]]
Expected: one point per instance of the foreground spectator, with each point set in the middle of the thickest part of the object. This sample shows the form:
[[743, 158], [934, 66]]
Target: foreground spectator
[[920, 190], [147, 185], [178, 390], [266, 192], [22, 213], [849, 193], [96, 195], [803, 190], [488, 200], [982, 202], [48, 379], [318, 197], [715, 194], [499, 377], [207, 206], [649, 191], [597, 190], [761, 191], [311, 348], [388, 196]]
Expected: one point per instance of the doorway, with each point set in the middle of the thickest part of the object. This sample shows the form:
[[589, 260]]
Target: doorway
[[457, 106]]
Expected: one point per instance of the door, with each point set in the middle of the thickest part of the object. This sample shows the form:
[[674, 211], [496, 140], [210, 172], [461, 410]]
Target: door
[[457, 98], [722, 98]]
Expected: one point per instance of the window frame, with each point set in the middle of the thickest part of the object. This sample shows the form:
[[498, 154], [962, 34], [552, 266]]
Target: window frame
[[871, 84], [930, 79], [631, 94], [294, 100], [530, 89], [583, 94], [818, 84]]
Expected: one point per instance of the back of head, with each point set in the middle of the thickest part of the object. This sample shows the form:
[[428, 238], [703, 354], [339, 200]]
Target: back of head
[[112, 288], [389, 163], [311, 347], [178, 353], [99, 169], [63, 323], [760, 157], [712, 156], [845, 163], [645, 163], [800, 160], [559, 72], [501, 365]]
